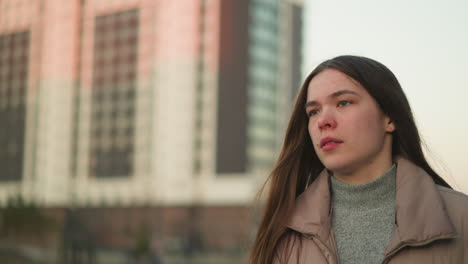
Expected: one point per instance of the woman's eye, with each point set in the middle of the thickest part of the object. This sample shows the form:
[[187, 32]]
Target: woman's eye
[[313, 112], [343, 103]]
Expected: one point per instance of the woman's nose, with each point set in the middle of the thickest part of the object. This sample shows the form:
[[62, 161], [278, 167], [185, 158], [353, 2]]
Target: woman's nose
[[326, 120]]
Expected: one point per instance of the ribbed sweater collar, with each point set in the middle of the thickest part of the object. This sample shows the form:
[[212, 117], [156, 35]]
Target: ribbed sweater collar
[[365, 196]]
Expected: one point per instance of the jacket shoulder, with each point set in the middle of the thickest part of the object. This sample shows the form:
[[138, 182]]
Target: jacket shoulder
[[288, 248], [452, 197], [456, 205]]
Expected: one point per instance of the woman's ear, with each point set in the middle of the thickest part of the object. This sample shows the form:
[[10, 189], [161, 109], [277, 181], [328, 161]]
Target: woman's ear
[[390, 127]]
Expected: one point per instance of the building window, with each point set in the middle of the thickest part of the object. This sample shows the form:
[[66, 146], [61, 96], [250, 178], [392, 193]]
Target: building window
[[14, 60], [113, 94]]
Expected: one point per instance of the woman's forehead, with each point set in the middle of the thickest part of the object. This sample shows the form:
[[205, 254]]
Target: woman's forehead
[[329, 82]]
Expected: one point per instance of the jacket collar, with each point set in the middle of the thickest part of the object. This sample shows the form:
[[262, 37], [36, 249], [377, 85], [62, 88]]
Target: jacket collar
[[312, 212], [420, 214]]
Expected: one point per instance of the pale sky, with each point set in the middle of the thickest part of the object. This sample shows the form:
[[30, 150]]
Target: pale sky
[[425, 44]]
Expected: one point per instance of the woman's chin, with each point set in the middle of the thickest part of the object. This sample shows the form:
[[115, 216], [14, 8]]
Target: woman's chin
[[336, 165]]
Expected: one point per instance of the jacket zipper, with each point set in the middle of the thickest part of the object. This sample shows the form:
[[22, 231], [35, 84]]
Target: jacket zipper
[[388, 257]]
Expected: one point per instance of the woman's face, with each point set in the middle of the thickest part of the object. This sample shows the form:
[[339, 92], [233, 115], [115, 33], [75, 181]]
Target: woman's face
[[349, 132]]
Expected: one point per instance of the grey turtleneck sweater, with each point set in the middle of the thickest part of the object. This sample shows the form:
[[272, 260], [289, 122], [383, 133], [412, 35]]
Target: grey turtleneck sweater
[[363, 218]]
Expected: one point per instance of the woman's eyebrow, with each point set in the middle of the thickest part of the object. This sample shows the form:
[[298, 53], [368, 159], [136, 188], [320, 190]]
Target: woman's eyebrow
[[333, 95], [310, 103], [341, 92]]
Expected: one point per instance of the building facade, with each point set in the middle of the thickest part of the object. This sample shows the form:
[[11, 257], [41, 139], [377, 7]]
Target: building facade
[[145, 103]]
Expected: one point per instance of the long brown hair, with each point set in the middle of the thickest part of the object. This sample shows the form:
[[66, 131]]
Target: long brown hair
[[298, 164]]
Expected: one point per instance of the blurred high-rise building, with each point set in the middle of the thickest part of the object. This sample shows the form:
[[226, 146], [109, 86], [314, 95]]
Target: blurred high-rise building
[[164, 104]]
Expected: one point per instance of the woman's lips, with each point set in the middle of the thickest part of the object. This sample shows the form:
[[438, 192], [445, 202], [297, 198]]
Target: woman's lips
[[329, 143], [330, 146]]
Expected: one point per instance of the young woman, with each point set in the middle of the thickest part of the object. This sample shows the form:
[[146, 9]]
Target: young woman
[[351, 184]]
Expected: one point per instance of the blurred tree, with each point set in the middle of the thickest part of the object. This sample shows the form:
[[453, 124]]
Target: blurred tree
[[21, 217]]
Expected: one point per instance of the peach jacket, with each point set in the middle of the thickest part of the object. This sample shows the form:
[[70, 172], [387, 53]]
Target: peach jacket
[[430, 223]]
